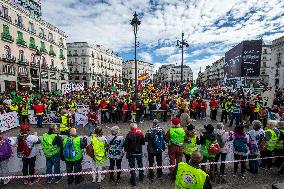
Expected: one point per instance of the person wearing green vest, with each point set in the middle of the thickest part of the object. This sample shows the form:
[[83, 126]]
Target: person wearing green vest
[[190, 144], [190, 175], [72, 148], [99, 144], [271, 139], [175, 138], [64, 126], [50, 144], [25, 114]]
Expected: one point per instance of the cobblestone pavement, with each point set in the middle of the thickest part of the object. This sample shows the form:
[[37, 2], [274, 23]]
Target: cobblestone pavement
[[263, 180]]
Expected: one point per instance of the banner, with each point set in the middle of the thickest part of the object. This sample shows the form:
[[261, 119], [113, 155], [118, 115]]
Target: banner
[[8, 121], [49, 118], [72, 87]]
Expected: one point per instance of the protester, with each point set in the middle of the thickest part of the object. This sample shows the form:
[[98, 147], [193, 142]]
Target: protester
[[214, 108], [6, 144], [254, 135], [99, 144], [241, 149], [236, 113], [155, 148], [185, 118], [134, 141], [115, 152], [268, 143], [203, 107], [50, 144], [27, 150], [279, 149], [223, 138], [190, 143], [65, 126], [73, 147], [39, 111], [190, 175], [175, 138]]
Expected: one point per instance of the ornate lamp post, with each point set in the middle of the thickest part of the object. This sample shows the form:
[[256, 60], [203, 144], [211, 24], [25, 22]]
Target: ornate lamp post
[[135, 22], [180, 44], [38, 55]]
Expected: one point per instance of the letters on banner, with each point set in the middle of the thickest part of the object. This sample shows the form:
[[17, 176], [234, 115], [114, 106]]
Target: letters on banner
[[49, 118], [72, 87], [8, 121]]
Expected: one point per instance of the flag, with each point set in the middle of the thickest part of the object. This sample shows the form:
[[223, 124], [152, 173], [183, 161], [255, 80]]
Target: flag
[[193, 90]]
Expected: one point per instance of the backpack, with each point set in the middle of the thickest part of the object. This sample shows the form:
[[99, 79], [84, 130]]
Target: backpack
[[214, 148], [240, 145], [158, 142], [23, 149], [220, 141], [69, 149], [5, 149]]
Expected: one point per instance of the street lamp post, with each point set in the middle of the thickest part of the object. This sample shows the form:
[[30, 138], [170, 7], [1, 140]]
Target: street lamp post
[[180, 44], [135, 22], [38, 54]]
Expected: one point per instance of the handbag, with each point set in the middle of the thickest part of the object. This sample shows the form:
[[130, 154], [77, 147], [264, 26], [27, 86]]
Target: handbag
[[90, 150]]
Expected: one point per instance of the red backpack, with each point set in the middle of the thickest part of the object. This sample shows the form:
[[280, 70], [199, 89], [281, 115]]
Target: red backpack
[[214, 148], [23, 150]]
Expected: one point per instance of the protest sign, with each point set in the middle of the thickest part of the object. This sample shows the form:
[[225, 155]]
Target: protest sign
[[8, 121], [72, 87], [49, 118]]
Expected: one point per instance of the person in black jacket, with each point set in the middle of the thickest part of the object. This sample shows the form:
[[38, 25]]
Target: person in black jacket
[[133, 147]]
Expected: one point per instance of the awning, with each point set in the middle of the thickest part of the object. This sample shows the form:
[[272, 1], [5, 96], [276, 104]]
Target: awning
[[26, 84]]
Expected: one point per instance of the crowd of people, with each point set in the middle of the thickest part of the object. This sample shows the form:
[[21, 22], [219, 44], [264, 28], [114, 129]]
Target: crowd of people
[[258, 132]]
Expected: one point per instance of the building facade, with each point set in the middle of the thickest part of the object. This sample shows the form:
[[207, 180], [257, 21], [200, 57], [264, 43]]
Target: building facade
[[266, 68], [143, 68], [93, 64], [277, 61], [171, 74], [31, 50]]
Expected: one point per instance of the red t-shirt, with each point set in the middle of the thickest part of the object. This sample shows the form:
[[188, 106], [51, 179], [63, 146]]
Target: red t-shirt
[[39, 108]]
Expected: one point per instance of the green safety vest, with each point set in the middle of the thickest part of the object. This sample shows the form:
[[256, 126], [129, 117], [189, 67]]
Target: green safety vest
[[64, 126], [146, 102], [25, 111], [177, 136], [271, 143], [190, 147], [77, 148], [189, 177], [279, 144], [48, 148], [100, 155], [204, 149]]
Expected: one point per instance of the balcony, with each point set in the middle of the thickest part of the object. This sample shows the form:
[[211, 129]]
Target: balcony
[[22, 62], [21, 42], [7, 37], [6, 17], [8, 58]]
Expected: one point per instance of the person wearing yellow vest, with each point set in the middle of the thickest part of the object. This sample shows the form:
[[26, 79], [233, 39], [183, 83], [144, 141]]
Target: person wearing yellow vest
[[190, 176], [190, 144], [271, 139], [50, 144], [25, 114], [175, 138], [64, 126], [13, 107], [99, 144], [72, 149]]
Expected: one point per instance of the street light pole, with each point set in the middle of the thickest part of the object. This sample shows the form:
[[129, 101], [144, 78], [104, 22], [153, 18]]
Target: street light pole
[[39, 55], [135, 22], [180, 44]]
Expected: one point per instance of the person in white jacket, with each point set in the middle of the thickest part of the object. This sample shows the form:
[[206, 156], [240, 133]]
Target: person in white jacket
[[223, 138]]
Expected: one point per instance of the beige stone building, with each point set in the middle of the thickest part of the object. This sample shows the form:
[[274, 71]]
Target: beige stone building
[[29, 45], [128, 68], [277, 59], [93, 64]]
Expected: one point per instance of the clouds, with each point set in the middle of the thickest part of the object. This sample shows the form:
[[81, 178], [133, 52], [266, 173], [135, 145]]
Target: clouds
[[211, 26], [145, 56]]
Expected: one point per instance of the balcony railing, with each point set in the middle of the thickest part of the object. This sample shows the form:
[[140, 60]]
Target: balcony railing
[[21, 42], [8, 58]]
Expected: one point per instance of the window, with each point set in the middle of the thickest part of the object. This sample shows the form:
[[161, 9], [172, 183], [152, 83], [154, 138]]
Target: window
[[8, 69], [61, 55], [265, 51], [50, 36], [32, 58], [6, 34], [7, 50], [20, 21], [31, 27], [264, 58], [5, 11], [42, 47], [21, 56], [41, 32], [32, 43], [51, 51], [61, 41], [83, 52], [52, 63], [264, 64], [75, 53]]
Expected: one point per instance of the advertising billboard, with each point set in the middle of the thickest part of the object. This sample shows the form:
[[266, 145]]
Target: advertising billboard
[[233, 62]]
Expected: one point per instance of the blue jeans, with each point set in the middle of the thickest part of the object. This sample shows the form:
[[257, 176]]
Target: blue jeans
[[237, 117], [253, 164], [53, 161], [131, 161], [39, 120]]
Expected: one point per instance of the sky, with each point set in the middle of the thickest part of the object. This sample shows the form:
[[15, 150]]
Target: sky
[[211, 27]]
